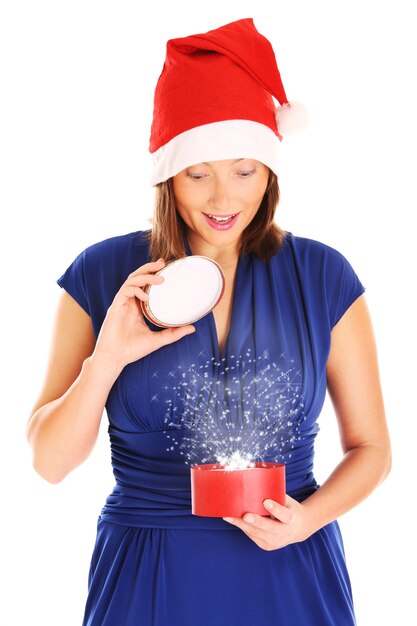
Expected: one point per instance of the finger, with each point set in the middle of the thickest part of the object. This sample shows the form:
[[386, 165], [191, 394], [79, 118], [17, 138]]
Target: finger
[[130, 291], [260, 542], [143, 279], [148, 267], [169, 335], [290, 501], [264, 524], [262, 538], [282, 513], [133, 285], [258, 523], [254, 529]]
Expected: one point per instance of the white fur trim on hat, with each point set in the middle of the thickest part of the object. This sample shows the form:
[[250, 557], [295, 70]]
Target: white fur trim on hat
[[228, 139]]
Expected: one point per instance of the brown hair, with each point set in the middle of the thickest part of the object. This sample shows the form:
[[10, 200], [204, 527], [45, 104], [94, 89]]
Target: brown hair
[[167, 236]]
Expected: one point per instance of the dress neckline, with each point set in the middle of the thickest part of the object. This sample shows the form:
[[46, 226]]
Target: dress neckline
[[210, 316], [222, 354]]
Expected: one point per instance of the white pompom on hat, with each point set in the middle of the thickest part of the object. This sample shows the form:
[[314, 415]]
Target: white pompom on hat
[[291, 117], [213, 101]]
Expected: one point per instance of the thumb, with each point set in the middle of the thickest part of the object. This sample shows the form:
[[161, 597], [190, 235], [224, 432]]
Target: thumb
[[169, 335]]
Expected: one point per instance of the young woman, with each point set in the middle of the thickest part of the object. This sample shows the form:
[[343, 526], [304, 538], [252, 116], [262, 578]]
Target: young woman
[[292, 322]]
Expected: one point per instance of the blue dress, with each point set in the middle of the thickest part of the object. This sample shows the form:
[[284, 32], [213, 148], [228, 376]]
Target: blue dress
[[154, 563]]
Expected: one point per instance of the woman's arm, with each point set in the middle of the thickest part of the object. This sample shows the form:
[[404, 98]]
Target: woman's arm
[[355, 390], [354, 387], [65, 420]]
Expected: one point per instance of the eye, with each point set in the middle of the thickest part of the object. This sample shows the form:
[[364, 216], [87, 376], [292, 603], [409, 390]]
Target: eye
[[243, 174], [195, 176], [247, 174]]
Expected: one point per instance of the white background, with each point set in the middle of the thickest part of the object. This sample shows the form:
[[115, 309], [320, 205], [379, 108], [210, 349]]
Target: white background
[[77, 81]]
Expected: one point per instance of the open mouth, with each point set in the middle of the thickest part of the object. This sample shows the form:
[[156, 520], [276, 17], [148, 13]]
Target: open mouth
[[221, 219], [223, 222]]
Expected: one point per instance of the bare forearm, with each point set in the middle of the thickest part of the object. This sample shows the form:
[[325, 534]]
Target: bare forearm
[[63, 432], [361, 470]]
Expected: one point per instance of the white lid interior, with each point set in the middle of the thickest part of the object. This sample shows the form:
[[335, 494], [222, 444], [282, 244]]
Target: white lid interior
[[190, 290]]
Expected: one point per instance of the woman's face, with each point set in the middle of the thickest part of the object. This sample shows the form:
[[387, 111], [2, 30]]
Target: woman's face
[[220, 188]]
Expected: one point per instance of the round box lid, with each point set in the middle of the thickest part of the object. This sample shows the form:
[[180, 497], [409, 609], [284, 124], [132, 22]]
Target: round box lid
[[193, 286]]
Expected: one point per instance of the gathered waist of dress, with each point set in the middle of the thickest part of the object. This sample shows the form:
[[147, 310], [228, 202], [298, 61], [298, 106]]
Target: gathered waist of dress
[[161, 509], [153, 483]]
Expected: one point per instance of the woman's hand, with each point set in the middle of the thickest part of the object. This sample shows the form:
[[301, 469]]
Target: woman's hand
[[289, 524], [124, 336]]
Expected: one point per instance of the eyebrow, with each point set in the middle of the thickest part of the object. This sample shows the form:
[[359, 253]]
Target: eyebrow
[[236, 161]]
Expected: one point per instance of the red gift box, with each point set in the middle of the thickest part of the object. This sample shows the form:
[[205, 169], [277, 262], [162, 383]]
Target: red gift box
[[220, 492]]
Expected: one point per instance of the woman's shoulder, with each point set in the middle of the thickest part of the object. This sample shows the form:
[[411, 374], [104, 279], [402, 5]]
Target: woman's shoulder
[[325, 274], [121, 249], [133, 239], [303, 243], [310, 250]]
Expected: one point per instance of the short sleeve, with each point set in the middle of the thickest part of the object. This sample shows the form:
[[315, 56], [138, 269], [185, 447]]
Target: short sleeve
[[73, 280], [343, 286]]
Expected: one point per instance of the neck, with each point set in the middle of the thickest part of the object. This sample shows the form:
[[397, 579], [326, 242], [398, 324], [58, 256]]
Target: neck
[[227, 257]]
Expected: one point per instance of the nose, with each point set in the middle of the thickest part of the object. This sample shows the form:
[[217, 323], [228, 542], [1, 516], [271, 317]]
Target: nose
[[221, 197]]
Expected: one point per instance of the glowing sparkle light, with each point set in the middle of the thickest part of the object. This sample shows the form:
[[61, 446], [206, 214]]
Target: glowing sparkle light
[[237, 461], [237, 415]]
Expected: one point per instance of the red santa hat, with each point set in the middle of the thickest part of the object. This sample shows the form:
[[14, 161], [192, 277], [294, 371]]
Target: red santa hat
[[213, 101]]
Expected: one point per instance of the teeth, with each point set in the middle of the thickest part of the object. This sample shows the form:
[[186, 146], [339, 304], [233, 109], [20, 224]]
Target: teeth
[[221, 220]]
